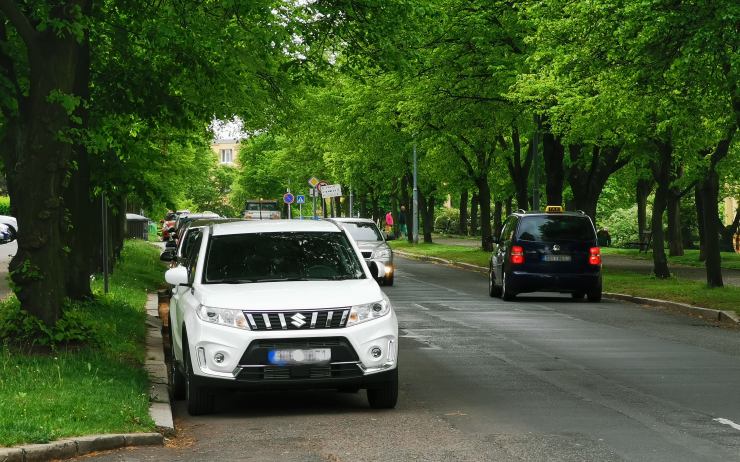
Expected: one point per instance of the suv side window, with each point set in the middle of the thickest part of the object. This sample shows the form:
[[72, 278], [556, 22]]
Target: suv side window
[[507, 232], [191, 258]]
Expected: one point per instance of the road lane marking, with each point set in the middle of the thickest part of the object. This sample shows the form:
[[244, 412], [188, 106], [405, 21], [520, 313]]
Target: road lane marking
[[727, 422]]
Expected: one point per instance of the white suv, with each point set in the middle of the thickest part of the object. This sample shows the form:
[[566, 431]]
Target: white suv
[[280, 304]]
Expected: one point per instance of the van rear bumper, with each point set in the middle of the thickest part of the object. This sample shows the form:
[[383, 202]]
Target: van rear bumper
[[522, 281]]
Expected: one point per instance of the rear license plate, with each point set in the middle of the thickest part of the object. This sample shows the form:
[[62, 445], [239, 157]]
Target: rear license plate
[[556, 258], [298, 356]]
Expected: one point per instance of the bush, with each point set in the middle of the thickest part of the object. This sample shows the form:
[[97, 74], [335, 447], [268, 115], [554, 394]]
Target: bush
[[447, 220], [622, 224], [4, 205], [18, 327]]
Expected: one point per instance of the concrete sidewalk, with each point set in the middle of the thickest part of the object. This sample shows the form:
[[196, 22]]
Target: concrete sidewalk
[[731, 277]]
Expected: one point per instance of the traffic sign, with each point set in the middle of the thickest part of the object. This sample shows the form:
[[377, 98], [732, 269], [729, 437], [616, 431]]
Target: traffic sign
[[300, 199], [313, 192], [288, 198], [313, 181], [331, 190]]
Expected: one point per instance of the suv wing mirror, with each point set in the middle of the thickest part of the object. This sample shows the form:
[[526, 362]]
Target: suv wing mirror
[[177, 276]]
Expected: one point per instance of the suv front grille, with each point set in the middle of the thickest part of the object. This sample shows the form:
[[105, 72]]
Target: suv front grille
[[297, 320], [367, 254]]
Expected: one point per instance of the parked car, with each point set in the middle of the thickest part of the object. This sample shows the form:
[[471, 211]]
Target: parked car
[[551, 251], [10, 221], [7, 233], [169, 222], [262, 210], [185, 219], [277, 304], [372, 244], [176, 254]]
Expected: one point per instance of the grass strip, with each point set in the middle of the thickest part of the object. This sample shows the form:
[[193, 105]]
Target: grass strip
[[730, 260], [48, 394], [618, 281]]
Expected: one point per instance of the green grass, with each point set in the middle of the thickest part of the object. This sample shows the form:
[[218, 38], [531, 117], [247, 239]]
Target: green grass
[[85, 389], [730, 260], [673, 289], [618, 281], [457, 253]]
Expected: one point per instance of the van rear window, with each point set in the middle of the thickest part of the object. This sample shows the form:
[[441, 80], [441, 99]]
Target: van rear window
[[543, 228]]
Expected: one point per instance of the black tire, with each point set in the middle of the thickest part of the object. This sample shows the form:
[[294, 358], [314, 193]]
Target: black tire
[[506, 292], [200, 400], [594, 296], [385, 395], [577, 295], [388, 280], [493, 289], [177, 378], [349, 389]]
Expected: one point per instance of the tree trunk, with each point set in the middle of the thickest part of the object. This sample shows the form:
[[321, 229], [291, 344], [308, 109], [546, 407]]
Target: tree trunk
[[363, 205], [728, 232], [463, 225], [519, 170], [587, 176], [553, 153], [675, 238], [710, 199], [699, 201], [82, 236], [662, 175], [474, 214], [508, 206], [497, 218], [36, 167], [484, 198], [644, 187], [426, 207]]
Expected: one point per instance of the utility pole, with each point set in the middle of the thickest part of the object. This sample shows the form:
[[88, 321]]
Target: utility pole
[[350, 200], [415, 226]]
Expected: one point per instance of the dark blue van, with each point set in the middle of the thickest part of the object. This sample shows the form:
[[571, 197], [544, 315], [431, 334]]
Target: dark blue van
[[551, 251]]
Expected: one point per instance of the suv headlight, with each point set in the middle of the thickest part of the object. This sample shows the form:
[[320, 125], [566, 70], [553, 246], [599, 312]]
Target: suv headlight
[[369, 311], [222, 316], [382, 253]]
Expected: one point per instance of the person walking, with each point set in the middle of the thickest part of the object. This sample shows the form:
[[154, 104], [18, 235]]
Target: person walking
[[402, 231], [388, 223]]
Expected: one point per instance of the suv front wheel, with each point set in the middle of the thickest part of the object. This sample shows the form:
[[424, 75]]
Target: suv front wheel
[[384, 395], [200, 400]]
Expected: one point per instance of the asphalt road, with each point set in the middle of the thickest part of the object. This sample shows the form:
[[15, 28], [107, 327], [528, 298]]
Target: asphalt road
[[541, 378]]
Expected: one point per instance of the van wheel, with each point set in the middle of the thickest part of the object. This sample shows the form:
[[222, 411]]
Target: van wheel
[[595, 295], [506, 292], [384, 395], [577, 295], [200, 400], [493, 289]]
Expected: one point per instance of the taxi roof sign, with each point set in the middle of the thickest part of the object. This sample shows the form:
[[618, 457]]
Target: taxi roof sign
[[553, 209]]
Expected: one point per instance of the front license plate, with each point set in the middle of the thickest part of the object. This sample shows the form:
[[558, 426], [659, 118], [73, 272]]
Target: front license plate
[[298, 356], [556, 258]]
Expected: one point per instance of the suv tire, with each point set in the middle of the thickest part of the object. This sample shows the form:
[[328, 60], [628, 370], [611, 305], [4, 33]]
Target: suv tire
[[384, 395], [388, 280], [506, 292], [200, 400], [493, 289]]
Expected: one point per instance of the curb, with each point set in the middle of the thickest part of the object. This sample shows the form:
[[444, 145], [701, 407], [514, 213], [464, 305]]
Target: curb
[[159, 410], [708, 314], [65, 449]]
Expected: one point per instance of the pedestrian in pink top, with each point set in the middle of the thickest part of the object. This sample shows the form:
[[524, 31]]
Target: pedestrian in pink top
[[388, 223]]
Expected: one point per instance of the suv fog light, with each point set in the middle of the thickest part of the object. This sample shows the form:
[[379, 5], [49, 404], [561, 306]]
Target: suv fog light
[[219, 357], [376, 352]]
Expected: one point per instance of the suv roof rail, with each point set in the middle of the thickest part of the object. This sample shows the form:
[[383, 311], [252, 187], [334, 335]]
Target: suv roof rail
[[521, 211], [581, 212]]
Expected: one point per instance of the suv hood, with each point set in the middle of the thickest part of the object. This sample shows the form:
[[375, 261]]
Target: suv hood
[[290, 295]]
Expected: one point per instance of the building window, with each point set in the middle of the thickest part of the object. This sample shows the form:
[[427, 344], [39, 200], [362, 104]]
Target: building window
[[227, 156]]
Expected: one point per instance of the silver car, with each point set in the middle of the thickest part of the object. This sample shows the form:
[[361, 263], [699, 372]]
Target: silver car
[[371, 243]]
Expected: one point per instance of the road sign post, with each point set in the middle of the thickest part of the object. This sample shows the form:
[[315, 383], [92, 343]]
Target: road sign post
[[300, 200], [288, 199]]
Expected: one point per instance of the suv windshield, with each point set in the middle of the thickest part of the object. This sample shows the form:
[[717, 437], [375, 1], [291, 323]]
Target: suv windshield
[[363, 231], [281, 256], [555, 228]]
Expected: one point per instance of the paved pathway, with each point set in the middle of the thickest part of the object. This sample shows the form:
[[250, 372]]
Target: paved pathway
[[731, 277]]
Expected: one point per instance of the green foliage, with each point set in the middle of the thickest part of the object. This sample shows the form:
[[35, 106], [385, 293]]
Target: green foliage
[[622, 225], [4, 205]]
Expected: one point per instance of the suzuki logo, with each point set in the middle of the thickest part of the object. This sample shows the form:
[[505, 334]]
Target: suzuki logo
[[556, 248], [298, 320]]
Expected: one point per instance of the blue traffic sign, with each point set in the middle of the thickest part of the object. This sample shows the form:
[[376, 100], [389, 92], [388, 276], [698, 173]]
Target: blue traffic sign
[[288, 198], [300, 199]]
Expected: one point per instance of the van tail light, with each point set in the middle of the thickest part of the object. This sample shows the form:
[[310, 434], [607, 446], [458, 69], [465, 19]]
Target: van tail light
[[594, 257], [517, 255]]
